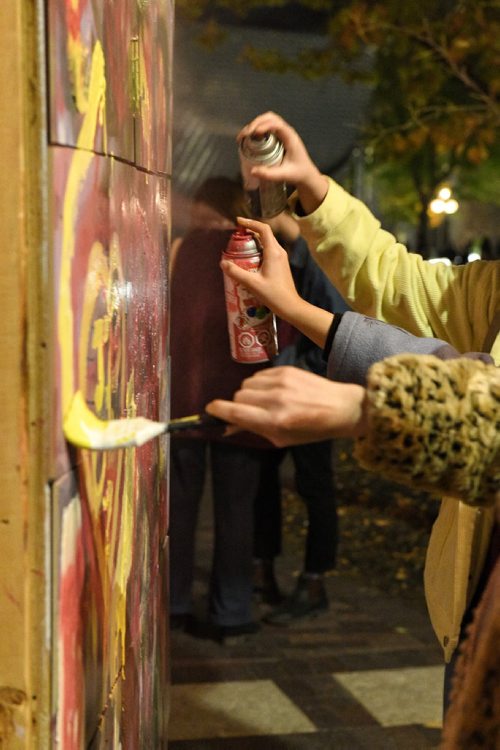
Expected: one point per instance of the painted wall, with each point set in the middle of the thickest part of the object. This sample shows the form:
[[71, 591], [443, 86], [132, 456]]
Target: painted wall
[[99, 614], [109, 114]]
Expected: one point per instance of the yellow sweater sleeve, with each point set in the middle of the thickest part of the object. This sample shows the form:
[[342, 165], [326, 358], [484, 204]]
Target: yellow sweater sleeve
[[435, 424], [378, 276]]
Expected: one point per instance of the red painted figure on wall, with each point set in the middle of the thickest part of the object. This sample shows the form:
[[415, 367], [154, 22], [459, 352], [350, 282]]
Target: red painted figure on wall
[[110, 95]]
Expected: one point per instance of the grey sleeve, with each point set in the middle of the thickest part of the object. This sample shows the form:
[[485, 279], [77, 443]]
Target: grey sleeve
[[361, 341]]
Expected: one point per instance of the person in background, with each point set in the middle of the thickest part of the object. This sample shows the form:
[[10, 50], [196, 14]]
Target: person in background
[[201, 369], [460, 304], [215, 205], [313, 464]]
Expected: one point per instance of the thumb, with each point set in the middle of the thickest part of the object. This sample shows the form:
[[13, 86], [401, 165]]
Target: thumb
[[234, 271]]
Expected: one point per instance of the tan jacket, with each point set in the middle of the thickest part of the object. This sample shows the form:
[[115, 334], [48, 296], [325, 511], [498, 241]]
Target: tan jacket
[[379, 277], [433, 424]]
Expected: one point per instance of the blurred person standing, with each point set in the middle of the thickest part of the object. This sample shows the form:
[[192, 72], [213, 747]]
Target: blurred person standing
[[202, 369]]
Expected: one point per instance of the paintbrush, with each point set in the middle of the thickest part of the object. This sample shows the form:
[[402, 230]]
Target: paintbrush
[[82, 428]]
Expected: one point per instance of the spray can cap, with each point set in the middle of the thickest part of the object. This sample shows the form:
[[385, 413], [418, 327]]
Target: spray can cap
[[262, 148], [242, 242]]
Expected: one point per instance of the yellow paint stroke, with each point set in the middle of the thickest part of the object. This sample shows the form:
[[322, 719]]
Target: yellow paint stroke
[[124, 540], [98, 280], [80, 164], [112, 502], [147, 127], [100, 337]]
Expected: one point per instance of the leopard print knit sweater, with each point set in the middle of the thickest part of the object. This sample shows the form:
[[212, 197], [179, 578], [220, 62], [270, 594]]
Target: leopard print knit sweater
[[435, 423]]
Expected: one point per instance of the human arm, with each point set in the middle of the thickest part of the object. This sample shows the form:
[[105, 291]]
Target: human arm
[[434, 424], [313, 286], [421, 421], [360, 341], [375, 273], [297, 167], [378, 276], [290, 406], [273, 285]]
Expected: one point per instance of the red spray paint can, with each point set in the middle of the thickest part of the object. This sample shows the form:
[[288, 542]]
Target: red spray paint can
[[251, 325]]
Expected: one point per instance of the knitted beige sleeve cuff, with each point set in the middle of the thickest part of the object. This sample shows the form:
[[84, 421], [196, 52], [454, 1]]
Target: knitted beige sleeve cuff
[[434, 424]]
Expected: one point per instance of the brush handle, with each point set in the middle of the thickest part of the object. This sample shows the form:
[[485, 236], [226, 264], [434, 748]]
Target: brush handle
[[195, 421]]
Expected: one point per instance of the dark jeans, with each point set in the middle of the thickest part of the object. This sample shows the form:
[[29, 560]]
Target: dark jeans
[[314, 482], [235, 477]]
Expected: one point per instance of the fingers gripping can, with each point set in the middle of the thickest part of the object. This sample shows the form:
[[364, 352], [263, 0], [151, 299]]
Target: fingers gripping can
[[265, 198], [251, 325]]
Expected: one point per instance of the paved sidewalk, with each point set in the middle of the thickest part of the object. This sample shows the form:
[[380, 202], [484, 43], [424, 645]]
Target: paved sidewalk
[[366, 675]]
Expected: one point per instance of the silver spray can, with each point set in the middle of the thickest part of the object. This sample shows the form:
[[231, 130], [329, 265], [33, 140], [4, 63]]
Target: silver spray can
[[251, 325], [265, 198]]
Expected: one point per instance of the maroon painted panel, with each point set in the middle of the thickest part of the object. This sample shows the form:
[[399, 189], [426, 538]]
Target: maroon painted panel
[[109, 228], [68, 691], [120, 53], [136, 40], [154, 118], [110, 266], [74, 30]]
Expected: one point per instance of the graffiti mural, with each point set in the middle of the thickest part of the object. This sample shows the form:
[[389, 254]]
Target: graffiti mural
[[110, 94], [136, 37]]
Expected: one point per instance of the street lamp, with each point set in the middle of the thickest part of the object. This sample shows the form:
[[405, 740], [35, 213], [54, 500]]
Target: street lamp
[[444, 203], [443, 206]]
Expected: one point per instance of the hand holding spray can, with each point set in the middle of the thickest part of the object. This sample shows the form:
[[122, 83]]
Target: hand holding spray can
[[265, 198], [251, 326]]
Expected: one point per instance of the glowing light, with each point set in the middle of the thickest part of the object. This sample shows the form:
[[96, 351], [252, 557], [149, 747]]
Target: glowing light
[[437, 206], [446, 261], [444, 203], [451, 206]]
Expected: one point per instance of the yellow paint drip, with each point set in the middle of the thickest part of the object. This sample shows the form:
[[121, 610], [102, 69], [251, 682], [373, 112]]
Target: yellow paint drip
[[80, 165]]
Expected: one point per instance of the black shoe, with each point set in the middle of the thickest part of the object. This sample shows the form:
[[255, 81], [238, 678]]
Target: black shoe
[[225, 633], [307, 601], [264, 582]]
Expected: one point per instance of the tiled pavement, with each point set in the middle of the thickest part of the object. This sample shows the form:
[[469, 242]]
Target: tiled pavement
[[367, 675]]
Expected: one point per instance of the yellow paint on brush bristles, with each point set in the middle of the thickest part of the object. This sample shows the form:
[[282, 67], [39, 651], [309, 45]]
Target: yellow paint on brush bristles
[[82, 428]]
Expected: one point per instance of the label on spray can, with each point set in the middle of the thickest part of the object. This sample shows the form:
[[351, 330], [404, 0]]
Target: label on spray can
[[251, 325], [265, 198]]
